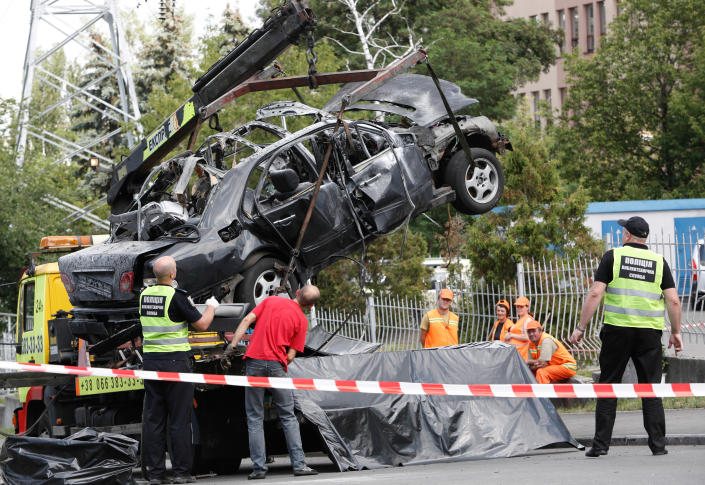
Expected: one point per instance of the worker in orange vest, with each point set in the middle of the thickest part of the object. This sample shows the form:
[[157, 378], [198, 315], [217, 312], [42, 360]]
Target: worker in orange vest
[[517, 333], [439, 327], [503, 322], [549, 360]]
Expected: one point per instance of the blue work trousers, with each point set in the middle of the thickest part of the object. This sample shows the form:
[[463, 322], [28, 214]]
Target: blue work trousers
[[254, 406]]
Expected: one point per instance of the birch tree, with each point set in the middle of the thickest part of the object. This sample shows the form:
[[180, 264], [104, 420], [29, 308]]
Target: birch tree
[[377, 31]]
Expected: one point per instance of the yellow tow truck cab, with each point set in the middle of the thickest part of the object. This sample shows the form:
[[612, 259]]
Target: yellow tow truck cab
[[42, 295]]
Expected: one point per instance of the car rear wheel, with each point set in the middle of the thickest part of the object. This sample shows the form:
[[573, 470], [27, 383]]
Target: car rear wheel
[[260, 281], [477, 191]]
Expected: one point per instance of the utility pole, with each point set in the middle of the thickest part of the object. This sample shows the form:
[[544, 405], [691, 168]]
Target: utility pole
[[52, 17]]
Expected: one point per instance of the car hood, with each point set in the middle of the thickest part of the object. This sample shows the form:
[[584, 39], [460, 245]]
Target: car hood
[[94, 273], [412, 96]]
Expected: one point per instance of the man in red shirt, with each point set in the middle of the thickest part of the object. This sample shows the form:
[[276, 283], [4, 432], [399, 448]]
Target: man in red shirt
[[280, 333]]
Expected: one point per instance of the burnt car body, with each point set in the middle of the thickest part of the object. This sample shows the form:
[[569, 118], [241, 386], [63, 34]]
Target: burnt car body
[[234, 228]]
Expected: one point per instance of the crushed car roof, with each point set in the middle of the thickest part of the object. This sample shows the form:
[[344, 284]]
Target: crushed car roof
[[412, 96]]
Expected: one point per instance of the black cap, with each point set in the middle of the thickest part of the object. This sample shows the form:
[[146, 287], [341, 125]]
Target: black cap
[[635, 225]]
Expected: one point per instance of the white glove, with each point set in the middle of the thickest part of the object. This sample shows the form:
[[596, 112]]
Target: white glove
[[212, 302]]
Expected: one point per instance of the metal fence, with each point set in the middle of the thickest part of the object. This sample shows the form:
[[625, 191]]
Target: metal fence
[[7, 346], [556, 288]]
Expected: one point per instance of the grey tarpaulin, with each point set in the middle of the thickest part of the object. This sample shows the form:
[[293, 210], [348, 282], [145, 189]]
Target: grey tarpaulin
[[85, 457], [378, 430], [337, 345]]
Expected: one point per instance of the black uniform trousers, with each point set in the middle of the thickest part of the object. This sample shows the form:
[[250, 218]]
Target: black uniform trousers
[[167, 404], [643, 346]]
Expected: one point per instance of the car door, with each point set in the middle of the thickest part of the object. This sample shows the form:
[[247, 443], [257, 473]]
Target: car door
[[391, 181], [331, 229]]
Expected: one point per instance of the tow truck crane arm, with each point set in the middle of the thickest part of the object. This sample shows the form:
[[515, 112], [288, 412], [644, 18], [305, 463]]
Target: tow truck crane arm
[[247, 61]]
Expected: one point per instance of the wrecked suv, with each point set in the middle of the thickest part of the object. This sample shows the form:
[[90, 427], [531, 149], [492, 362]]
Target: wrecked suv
[[231, 212]]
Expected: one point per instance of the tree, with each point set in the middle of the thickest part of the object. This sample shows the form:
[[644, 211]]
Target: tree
[[362, 30], [25, 218], [386, 272], [222, 38], [541, 219], [486, 55], [166, 62], [633, 121], [90, 124]]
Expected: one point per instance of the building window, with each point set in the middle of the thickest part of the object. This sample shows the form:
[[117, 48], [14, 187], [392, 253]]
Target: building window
[[562, 95], [544, 17], [574, 27], [590, 28], [535, 106], [533, 18], [603, 18], [547, 97], [561, 25]]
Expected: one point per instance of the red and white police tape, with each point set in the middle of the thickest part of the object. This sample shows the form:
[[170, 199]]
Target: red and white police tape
[[381, 387]]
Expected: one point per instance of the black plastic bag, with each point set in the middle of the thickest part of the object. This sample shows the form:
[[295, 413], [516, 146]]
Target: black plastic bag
[[85, 457]]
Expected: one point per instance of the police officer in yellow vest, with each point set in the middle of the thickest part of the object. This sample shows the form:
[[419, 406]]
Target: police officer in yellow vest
[[165, 313], [632, 280], [439, 327]]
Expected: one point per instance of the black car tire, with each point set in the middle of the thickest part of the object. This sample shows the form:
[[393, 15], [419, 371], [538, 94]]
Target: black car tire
[[477, 192], [260, 281]]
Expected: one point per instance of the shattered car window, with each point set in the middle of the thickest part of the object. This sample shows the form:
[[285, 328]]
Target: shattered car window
[[170, 202]]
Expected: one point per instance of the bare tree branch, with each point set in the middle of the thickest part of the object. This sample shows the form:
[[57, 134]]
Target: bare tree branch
[[365, 26], [349, 51]]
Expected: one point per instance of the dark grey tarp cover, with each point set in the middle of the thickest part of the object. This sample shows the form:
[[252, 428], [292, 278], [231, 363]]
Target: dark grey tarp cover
[[85, 457], [319, 342], [379, 430]]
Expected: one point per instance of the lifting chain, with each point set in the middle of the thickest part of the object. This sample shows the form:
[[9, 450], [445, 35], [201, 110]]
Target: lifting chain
[[312, 59]]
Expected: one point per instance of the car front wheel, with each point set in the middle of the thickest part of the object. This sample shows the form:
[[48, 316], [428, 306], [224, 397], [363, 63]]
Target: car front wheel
[[478, 190], [260, 281]]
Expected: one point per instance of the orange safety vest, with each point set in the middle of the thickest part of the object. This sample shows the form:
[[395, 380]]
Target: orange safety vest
[[518, 329], [439, 334], [505, 328], [560, 357]]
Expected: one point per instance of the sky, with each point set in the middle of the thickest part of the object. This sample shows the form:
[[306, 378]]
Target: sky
[[15, 17]]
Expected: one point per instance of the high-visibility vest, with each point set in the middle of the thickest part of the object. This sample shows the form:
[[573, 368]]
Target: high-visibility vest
[[505, 328], [634, 297], [439, 334], [560, 357], [159, 332], [518, 329]]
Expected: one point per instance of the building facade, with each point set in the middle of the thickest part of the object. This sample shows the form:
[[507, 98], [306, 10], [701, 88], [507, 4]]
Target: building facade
[[584, 23]]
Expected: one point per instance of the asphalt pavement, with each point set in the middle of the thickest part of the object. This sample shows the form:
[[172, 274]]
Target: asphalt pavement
[[683, 427], [629, 460], [623, 465]]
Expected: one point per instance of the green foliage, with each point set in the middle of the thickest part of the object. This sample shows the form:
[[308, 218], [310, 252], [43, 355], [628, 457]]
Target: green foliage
[[45, 95], [647, 77], [165, 57], [542, 220], [25, 218], [488, 57], [386, 272], [90, 124]]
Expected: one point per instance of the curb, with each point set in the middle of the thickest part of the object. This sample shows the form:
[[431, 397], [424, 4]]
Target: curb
[[642, 440]]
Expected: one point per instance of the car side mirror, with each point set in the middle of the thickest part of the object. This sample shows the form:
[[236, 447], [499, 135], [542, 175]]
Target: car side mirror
[[231, 231]]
